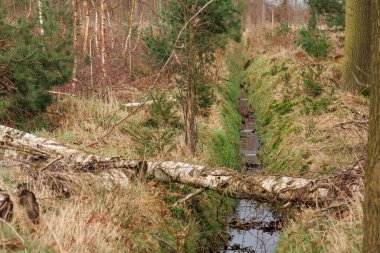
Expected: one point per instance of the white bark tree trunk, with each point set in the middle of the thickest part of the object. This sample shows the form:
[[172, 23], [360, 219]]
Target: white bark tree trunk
[[40, 17], [35, 152], [103, 37]]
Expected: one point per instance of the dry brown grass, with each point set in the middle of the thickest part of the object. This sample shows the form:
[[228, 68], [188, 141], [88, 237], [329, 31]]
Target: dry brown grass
[[80, 214], [79, 121], [331, 138], [94, 219], [326, 230]]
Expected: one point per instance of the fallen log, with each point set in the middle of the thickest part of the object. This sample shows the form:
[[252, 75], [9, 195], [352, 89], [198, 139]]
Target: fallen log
[[146, 103], [36, 152]]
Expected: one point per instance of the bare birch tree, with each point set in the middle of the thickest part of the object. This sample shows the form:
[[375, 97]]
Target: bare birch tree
[[102, 37]]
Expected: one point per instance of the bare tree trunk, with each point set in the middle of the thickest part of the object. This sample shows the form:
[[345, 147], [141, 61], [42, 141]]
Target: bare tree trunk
[[96, 30], [30, 10], [131, 14], [40, 17], [371, 223], [38, 154], [111, 28], [127, 46], [272, 19], [189, 104], [285, 10], [189, 117], [74, 4], [295, 17], [102, 37], [139, 30], [91, 66], [357, 46], [263, 14], [86, 25]]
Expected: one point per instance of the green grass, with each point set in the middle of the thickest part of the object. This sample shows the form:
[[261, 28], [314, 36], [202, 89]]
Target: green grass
[[298, 139], [222, 149]]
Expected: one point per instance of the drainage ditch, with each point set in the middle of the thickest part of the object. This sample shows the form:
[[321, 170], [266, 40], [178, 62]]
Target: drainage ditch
[[253, 227]]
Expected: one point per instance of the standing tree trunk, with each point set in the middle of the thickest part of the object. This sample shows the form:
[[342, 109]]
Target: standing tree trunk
[[75, 38], [128, 40], [75, 35], [86, 25], [295, 16], [102, 37], [40, 17], [272, 18], [285, 11], [131, 14], [189, 105], [263, 14], [140, 28], [357, 46], [372, 175], [96, 30]]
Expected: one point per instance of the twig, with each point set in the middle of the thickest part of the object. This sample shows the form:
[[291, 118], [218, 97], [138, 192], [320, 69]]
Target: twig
[[61, 93], [190, 196], [167, 243], [51, 163], [13, 229], [356, 123]]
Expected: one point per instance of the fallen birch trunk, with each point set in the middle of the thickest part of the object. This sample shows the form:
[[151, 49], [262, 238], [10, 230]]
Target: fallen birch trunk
[[146, 103], [35, 152]]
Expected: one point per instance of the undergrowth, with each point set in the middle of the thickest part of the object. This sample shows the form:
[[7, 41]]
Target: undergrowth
[[223, 142]]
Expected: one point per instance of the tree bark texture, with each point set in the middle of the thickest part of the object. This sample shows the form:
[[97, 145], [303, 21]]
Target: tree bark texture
[[372, 174], [189, 103], [96, 30], [35, 153], [263, 13], [131, 15], [357, 46], [74, 4], [103, 37], [40, 17], [86, 25]]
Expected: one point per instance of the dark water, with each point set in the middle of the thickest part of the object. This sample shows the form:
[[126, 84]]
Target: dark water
[[253, 227]]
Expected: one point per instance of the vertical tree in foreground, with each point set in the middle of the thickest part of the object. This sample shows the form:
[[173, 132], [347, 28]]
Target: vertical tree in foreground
[[372, 175], [357, 46]]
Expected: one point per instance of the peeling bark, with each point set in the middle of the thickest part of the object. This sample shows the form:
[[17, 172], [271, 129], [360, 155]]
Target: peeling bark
[[36, 152]]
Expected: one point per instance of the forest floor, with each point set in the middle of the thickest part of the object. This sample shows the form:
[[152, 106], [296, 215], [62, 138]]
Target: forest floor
[[306, 125], [142, 218]]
